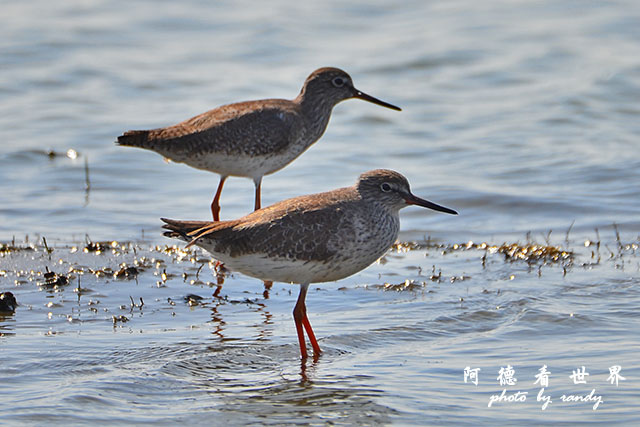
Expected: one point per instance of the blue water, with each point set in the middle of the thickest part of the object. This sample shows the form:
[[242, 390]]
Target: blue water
[[523, 116]]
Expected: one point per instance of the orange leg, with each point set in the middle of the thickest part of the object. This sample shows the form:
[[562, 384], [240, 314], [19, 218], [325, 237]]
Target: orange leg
[[303, 347], [215, 205], [302, 324], [258, 184], [310, 334], [267, 287]]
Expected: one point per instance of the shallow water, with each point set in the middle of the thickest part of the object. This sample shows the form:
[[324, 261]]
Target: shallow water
[[521, 116]]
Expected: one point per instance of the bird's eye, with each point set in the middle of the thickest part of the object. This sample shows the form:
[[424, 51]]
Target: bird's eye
[[338, 82], [385, 187]]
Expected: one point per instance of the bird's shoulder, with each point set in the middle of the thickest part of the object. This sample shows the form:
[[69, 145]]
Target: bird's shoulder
[[263, 111], [303, 208]]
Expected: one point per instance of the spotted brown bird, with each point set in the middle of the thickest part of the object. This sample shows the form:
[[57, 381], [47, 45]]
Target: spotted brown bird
[[310, 239]]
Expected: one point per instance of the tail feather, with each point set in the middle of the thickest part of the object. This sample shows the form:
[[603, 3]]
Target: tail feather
[[209, 228], [181, 229], [134, 138], [191, 231]]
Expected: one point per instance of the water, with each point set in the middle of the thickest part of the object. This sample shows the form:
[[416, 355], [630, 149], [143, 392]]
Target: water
[[523, 116]]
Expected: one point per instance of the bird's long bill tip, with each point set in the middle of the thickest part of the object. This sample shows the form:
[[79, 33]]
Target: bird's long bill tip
[[414, 200], [369, 98]]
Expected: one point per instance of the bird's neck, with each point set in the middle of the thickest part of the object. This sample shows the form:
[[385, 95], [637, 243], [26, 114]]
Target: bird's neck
[[316, 111], [385, 224]]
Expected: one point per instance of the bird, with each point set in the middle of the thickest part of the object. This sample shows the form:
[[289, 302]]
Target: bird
[[8, 302], [310, 239], [254, 138]]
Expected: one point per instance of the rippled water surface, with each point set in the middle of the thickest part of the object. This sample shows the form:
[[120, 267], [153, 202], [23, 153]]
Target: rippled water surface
[[523, 116]]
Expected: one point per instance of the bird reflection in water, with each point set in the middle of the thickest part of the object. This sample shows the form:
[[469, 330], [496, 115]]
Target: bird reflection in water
[[217, 320]]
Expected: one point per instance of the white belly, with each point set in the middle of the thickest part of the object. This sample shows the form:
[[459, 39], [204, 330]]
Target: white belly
[[237, 165], [294, 271]]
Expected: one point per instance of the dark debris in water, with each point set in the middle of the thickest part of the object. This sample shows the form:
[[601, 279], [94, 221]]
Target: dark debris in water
[[534, 254], [97, 247], [8, 302], [406, 246], [531, 253], [135, 305], [119, 319], [410, 285], [407, 285], [30, 263], [193, 299], [102, 247], [126, 272], [53, 279], [9, 248]]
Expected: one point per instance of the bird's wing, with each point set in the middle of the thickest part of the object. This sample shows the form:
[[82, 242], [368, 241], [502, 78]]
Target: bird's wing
[[254, 127], [302, 228]]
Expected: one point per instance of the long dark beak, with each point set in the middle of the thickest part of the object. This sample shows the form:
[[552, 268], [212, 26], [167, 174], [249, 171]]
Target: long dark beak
[[365, 97], [413, 200]]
